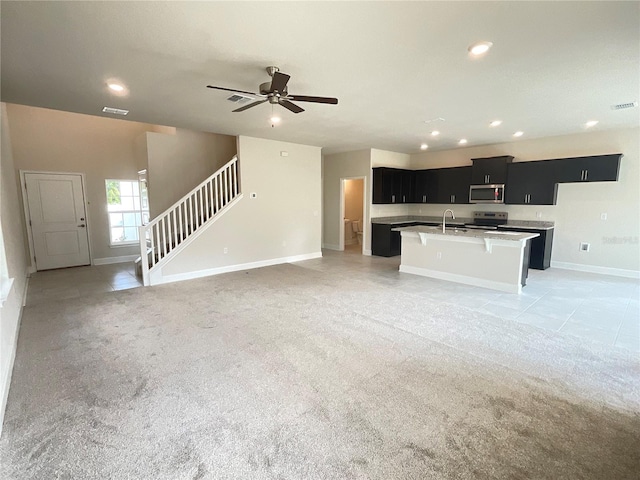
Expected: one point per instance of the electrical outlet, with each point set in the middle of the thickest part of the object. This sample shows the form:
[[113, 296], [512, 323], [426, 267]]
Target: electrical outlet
[[439, 255], [253, 195], [538, 214], [603, 216], [584, 247], [226, 250]]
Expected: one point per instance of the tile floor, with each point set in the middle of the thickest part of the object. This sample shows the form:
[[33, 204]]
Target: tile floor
[[65, 283], [599, 308]]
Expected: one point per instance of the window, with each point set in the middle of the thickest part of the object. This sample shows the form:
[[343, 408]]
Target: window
[[127, 208]]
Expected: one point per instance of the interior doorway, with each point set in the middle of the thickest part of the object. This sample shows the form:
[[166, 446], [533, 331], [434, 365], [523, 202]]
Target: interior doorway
[[56, 219], [353, 224]]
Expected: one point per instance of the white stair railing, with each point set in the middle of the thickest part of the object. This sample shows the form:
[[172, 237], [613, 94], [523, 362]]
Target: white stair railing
[[165, 233]]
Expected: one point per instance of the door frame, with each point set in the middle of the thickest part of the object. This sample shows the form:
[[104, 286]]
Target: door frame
[[365, 223], [25, 204]]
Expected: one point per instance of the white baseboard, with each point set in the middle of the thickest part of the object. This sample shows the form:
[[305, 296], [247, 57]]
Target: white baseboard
[[618, 272], [366, 252], [452, 277], [330, 246], [109, 260], [159, 280]]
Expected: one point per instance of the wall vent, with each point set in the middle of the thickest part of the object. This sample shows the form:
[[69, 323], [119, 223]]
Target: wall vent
[[115, 111], [622, 106], [237, 98]]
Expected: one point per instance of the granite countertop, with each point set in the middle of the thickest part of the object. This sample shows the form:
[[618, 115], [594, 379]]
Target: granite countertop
[[469, 233], [459, 221]]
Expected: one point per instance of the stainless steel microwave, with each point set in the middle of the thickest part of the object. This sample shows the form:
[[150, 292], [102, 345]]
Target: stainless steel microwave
[[486, 193]]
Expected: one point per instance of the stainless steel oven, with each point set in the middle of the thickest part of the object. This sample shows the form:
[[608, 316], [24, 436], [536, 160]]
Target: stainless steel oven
[[486, 193]]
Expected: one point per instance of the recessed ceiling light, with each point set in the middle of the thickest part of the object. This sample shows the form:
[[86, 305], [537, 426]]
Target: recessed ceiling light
[[424, 146], [116, 87], [462, 141], [479, 48], [518, 134], [591, 123], [435, 133], [495, 123]]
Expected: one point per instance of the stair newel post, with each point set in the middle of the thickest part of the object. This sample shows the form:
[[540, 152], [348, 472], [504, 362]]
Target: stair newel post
[[144, 254]]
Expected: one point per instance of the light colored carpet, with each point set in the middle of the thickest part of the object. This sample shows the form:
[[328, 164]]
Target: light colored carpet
[[309, 372]]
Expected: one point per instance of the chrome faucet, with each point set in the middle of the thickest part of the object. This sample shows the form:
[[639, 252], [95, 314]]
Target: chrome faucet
[[453, 217]]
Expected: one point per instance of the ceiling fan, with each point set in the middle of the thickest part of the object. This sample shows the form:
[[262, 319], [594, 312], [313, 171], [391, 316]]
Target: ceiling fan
[[275, 92]]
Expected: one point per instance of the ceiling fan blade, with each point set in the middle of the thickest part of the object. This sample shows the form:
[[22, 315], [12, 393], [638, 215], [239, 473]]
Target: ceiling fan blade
[[235, 90], [245, 107], [279, 82], [291, 106], [304, 98]]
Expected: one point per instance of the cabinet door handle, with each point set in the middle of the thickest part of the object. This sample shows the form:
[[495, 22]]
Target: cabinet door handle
[[424, 198], [586, 174], [404, 199], [393, 199]]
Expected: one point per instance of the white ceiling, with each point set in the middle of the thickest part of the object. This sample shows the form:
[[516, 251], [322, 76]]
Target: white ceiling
[[393, 65]]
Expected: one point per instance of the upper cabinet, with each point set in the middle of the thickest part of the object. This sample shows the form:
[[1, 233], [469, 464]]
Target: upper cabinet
[[526, 183], [453, 184], [392, 185], [531, 183], [599, 168], [425, 189], [490, 171]]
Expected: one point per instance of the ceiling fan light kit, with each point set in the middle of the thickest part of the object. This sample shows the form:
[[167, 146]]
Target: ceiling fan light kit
[[276, 93]]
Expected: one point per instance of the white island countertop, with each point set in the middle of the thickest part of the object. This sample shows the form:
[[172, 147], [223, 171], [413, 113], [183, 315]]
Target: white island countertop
[[491, 259]]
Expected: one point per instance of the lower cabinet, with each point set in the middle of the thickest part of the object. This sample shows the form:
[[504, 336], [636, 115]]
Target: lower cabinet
[[384, 242], [540, 255]]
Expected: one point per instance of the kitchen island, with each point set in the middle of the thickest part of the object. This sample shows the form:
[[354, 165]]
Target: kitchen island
[[491, 259]]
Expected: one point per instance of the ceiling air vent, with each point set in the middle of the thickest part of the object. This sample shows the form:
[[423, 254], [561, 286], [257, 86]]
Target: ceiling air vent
[[115, 111], [622, 106], [237, 98]]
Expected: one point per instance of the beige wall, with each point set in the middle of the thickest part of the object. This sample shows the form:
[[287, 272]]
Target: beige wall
[[101, 148], [353, 199], [12, 224], [282, 221], [180, 161], [614, 242], [334, 168]]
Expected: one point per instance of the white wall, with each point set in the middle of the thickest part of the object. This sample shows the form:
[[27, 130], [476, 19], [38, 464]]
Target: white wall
[[180, 161], [12, 224], [334, 168], [614, 242], [283, 222]]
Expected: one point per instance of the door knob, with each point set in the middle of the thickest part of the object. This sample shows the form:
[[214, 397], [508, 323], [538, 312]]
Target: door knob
[[81, 225]]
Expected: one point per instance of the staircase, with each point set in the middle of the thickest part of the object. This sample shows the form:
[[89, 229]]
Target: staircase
[[172, 230]]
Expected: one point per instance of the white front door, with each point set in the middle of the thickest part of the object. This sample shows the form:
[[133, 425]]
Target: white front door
[[58, 220]]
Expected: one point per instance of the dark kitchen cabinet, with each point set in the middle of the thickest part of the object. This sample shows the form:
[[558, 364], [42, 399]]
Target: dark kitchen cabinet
[[384, 242], [489, 171], [531, 183], [453, 184], [599, 168], [540, 252], [425, 188], [392, 185]]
